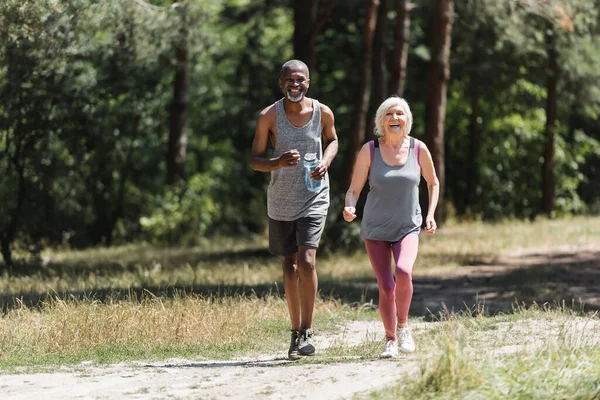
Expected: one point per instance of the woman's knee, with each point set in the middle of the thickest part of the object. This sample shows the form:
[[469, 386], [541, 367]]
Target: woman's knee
[[387, 289], [403, 275]]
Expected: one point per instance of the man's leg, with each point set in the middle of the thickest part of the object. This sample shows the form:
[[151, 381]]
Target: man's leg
[[308, 290], [282, 242], [308, 234], [290, 284], [308, 283]]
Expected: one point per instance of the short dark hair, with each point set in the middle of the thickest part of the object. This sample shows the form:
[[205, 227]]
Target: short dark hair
[[294, 64]]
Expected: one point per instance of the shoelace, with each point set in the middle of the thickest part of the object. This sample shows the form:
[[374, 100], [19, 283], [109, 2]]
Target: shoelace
[[306, 335], [295, 336], [403, 334]]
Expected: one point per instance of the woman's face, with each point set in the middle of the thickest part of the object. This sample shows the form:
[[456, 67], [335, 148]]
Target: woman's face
[[394, 119]]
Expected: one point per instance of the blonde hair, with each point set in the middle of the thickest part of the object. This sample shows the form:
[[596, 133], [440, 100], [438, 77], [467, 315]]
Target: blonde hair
[[386, 105]]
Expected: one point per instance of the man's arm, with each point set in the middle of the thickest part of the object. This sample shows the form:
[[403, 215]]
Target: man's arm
[[330, 142], [258, 161]]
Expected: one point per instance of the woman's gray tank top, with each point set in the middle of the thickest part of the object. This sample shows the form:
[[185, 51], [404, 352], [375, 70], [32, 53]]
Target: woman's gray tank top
[[392, 210], [287, 197]]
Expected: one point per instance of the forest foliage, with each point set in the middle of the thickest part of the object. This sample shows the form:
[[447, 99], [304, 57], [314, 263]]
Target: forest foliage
[[86, 86]]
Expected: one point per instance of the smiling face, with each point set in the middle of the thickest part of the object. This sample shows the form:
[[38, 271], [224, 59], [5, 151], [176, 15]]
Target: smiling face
[[294, 83], [393, 116], [395, 119]]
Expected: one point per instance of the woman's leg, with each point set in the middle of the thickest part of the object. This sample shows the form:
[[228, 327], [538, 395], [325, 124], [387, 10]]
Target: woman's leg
[[405, 254], [380, 255]]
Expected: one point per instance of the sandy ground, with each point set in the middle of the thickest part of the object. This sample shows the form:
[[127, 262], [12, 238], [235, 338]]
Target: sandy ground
[[265, 377]]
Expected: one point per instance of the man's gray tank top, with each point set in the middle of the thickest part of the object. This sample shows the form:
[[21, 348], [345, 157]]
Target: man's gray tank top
[[287, 197], [392, 210]]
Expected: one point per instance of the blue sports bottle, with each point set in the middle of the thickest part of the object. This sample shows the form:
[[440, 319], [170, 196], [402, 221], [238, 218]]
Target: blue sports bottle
[[310, 163]]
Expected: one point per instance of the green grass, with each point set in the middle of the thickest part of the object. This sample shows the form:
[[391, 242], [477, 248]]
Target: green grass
[[248, 263], [187, 326], [539, 353]]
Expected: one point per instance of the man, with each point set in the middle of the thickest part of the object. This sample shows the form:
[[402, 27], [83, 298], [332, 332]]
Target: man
[[296, 125]]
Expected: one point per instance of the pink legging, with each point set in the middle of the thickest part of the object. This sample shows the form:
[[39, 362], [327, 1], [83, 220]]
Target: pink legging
[[394, 297]]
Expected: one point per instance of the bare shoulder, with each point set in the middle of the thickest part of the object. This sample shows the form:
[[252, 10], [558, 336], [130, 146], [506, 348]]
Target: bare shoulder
[[422, 145], [268, 112], [267, 119], [325, 109], [326, 113]]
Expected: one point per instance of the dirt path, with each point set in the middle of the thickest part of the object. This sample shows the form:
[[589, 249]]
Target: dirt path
[[266, 377]]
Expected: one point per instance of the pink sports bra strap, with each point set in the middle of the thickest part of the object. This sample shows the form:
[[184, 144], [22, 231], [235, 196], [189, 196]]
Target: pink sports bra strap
[[418, 151], [372, 147]]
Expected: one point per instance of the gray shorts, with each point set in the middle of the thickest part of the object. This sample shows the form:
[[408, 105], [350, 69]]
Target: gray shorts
[[286, 236]]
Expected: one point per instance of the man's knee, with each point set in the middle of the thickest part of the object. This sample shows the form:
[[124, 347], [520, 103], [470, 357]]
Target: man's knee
[[307, 260], [290, 266]]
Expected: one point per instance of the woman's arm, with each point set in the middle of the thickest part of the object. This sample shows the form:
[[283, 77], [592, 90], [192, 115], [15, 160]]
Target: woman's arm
[[433, 187], [359, 177]]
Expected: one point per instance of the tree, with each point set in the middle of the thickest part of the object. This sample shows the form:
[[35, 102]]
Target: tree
[[378, 70], [357, 135], [439, 75], [178, 107], [565, 25], [307, 25], [400, 52], [551, 115]]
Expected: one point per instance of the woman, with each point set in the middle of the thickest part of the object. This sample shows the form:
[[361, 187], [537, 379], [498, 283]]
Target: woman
[[392, 216]]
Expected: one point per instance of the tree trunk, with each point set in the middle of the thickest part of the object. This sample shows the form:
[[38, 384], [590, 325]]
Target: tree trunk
[[178, 108], [378, 67], [548, 164], [400, 54], [439, 75], [305, 18], [474, 148], [10, 232], [6, 252], [357, 135], [307, 26]]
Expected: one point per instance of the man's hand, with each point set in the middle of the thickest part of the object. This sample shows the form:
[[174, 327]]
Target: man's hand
[[288, 159], [319, 172]]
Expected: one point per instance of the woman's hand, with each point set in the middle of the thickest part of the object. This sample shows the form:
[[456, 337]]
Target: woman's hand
[[430, 225], [349, 213]]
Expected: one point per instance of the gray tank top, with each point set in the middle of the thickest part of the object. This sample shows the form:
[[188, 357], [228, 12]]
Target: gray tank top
[[287, 197], [392, 210]]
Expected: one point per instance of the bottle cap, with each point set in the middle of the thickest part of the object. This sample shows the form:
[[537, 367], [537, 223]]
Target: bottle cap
[[310, 156]]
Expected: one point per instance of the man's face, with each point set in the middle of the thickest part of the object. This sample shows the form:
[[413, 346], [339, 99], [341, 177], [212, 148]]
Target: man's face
[[294, 83]]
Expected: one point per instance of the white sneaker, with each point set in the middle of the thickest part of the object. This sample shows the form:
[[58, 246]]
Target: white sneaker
[[390, 350], [405, 340]]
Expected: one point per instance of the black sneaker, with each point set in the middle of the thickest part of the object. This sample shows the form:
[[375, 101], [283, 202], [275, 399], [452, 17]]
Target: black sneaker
[[305, 343], [293, 351]]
